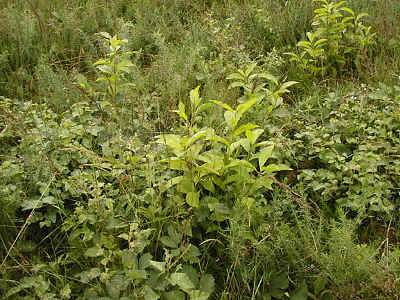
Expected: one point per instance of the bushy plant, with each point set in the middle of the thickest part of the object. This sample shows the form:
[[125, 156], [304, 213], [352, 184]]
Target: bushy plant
[[339, 41]]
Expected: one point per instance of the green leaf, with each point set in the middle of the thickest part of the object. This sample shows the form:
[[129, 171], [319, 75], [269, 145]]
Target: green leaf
[[175, 164], [94, 252], [89, 275], [100, 62], [158, 265], [182, 280], [245, 127], [105, 35], [144, 261], [116, 285], [250, 69], [31, 204], [253, 135], [319, 285], [198, 295], [301, 293], [192, 199], [248, 201], [269, 76], [264, 155], [129, 259], [236, 76], [192, 254], [169, 242], [174, 295], [192, 273], [65, 292], [207, 169], [181, 111], [195, 98], [196, 137], [238, 162], [287, 84], [242, 108], [226, 106], [275, 168], [261, 181], [150, 294], [216, 138], [186, 185], [203, 107], [124, 65], [170, 183], [236, 84], [231, 119], [280, 282], [207, 283], [136, 274], [171, 140], [208, 184]]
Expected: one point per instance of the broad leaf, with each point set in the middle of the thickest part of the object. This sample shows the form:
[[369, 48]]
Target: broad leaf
[[150, 294], [242, 108], [171, 140], [207, 283], [129, 260], [236, 76], [136, 274], [222, 104], [181, 111], [231, 119], [248, 201], [182, 280], [174, 295], [158, 265], [250, 69], [301, 293], [264, 155], [89, 275], [236, 84], [244, 128], [94, 252], [192, 199], [169, 242], [198, 295], [275, 168], [269, 76], [105, 35], [253, 135], [195, 97]]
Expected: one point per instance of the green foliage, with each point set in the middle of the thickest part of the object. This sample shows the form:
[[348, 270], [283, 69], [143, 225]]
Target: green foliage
[[114, 67], [340, 39], [251, 83], [210, 163], [346, 153]]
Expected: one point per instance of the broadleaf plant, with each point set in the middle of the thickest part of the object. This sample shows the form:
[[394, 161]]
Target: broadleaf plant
[[219, 171]]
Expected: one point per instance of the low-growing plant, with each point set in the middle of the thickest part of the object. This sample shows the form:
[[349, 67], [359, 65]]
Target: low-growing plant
[[345, 153]]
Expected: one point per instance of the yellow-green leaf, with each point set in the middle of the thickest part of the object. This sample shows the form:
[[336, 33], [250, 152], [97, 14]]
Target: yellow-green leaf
[[264, 155], [193, 199]]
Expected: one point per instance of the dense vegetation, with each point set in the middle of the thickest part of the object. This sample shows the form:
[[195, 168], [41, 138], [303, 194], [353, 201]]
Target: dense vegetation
[[175, 149]]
